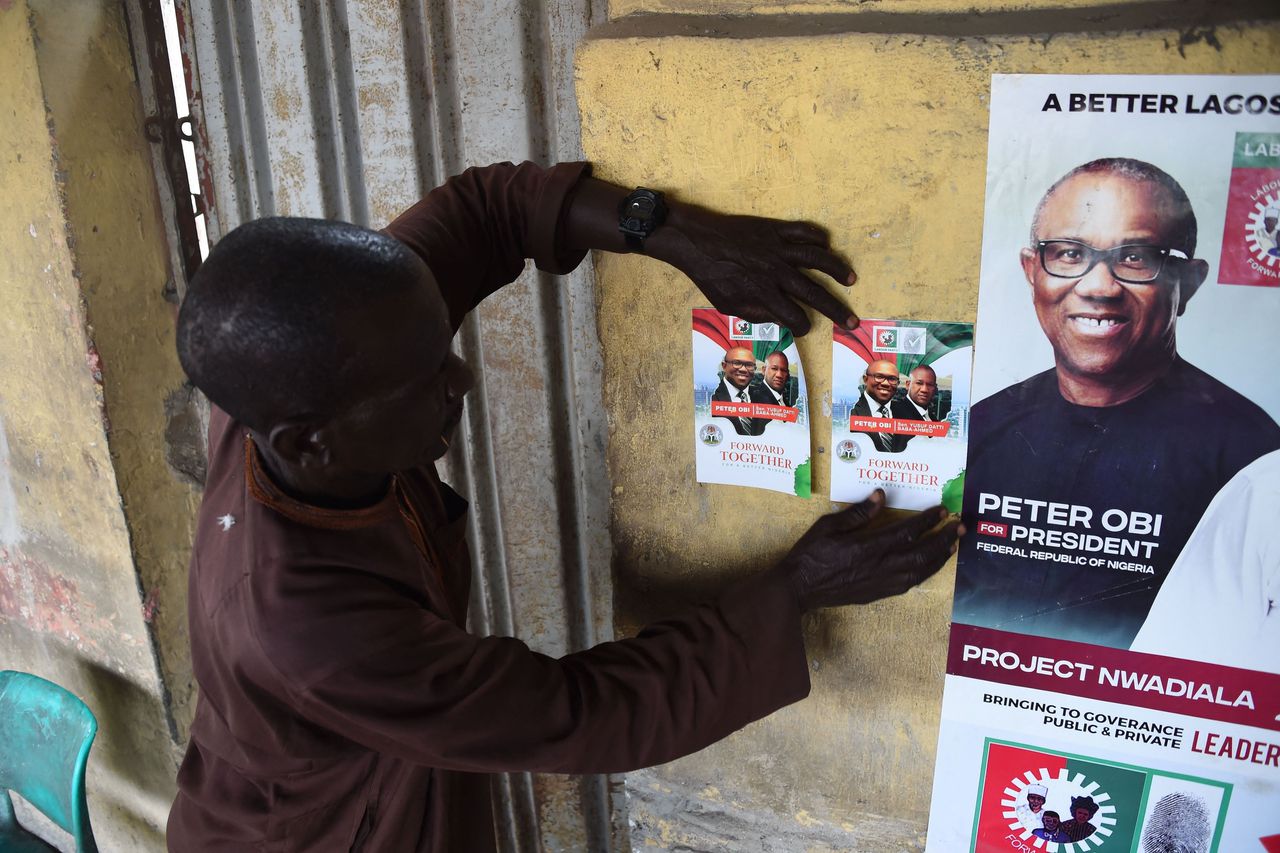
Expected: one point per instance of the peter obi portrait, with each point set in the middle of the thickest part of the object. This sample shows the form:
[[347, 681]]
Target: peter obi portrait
[[1120, 421]]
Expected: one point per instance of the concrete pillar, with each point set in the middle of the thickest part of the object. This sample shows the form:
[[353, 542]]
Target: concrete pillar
[[95, 525]]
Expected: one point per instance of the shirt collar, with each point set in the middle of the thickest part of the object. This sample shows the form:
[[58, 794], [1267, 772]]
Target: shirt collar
[[876, 404], [265, 491]]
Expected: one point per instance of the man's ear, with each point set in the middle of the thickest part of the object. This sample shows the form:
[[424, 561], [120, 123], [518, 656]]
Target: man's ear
[[1193, 274], [301, 442], [1030, 260]]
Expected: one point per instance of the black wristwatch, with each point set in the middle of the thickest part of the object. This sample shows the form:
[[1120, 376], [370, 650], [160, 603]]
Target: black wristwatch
[[639, 215]]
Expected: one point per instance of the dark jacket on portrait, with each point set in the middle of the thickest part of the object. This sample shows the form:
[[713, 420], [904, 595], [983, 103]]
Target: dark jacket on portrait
[[755, 394], [897, 409]]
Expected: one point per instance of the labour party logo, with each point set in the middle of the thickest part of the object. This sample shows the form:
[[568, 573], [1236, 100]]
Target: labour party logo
[[1251, 233], [745, 330], [899, 339], [1037, 800]]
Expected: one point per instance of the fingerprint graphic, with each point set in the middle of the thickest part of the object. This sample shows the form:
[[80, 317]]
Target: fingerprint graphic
[[1179, 823]]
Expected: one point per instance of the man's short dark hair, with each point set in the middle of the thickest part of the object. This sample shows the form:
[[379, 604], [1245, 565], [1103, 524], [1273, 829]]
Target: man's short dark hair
[[258, 329], [1184, 230]]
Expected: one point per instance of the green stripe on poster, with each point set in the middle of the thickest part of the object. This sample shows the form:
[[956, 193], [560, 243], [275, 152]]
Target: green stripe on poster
[[1257, 151], [1102, 803]]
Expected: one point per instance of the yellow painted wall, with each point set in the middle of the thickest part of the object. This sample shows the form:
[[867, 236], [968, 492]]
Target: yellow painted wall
[[94, 527], [619, 8], [113, 217], [882, 138]]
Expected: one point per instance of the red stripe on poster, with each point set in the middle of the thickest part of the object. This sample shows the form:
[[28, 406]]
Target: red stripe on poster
[[1250, 247], [1004, 790], [898, 426], [1193, 688], [858, 341], [712, 325], [720, 408]]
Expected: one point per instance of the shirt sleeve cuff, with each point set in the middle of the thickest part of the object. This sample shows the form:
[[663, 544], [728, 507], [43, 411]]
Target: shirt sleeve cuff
[[546, 232]]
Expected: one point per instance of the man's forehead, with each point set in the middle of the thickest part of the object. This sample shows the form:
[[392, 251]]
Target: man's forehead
[[738, 354], [882, 367], [1101, 207]]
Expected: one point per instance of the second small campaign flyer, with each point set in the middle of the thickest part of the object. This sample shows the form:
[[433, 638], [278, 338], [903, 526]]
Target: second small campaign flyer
[[900, 411], [750, 404]]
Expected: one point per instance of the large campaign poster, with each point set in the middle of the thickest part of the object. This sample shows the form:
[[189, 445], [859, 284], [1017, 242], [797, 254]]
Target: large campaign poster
[[900, 411], [750, 405], [1113, 675]]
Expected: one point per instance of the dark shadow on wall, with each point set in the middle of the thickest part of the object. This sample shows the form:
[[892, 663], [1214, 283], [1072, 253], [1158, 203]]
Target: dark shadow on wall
[[134, 744], [651, 584]]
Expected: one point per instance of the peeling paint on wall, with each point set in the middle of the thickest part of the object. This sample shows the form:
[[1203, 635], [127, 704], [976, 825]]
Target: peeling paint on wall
[[51, 603], [10, 529]]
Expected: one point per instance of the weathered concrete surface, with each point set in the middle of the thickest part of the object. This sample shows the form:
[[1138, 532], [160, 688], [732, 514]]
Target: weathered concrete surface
[[673, 815], [94, 527], [882, 138]]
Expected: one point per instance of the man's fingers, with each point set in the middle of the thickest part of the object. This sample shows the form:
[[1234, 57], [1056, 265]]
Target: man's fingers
[[782, 310], [856, 516], [810, 292], [754, 311], [920, 562], [910, 528], [821, 259], [798, 231]]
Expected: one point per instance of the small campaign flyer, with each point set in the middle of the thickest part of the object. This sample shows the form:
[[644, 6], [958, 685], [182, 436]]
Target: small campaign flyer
[[900, 411], [1113, 672], [750, 405]]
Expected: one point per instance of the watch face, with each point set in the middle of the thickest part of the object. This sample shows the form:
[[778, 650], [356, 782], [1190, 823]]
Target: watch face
[[639, 214]]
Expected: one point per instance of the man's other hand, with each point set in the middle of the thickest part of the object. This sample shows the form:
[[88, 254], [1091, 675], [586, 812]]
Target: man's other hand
[[840, 561], [749, 266]]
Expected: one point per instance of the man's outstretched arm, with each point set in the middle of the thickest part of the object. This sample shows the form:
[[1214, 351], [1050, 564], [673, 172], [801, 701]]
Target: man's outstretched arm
[[749, 266], [475, 230], [425, 690]]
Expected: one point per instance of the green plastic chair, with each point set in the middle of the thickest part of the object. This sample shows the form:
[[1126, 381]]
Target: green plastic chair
[[45, 736]]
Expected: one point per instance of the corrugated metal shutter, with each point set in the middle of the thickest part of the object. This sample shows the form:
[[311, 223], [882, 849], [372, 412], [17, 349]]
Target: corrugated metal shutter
[[352, 109]]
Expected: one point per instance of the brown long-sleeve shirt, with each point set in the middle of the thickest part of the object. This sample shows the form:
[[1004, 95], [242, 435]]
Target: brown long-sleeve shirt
[[342, 704]]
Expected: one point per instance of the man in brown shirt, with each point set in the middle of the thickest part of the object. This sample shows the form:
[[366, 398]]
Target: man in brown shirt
[[343, 706]]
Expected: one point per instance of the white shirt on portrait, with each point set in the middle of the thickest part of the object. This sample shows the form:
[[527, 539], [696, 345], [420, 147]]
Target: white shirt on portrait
[[734, 391], [1221, 601]]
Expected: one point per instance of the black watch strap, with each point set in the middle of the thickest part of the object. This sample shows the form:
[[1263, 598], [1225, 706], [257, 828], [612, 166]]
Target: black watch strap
[[639, 215]]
